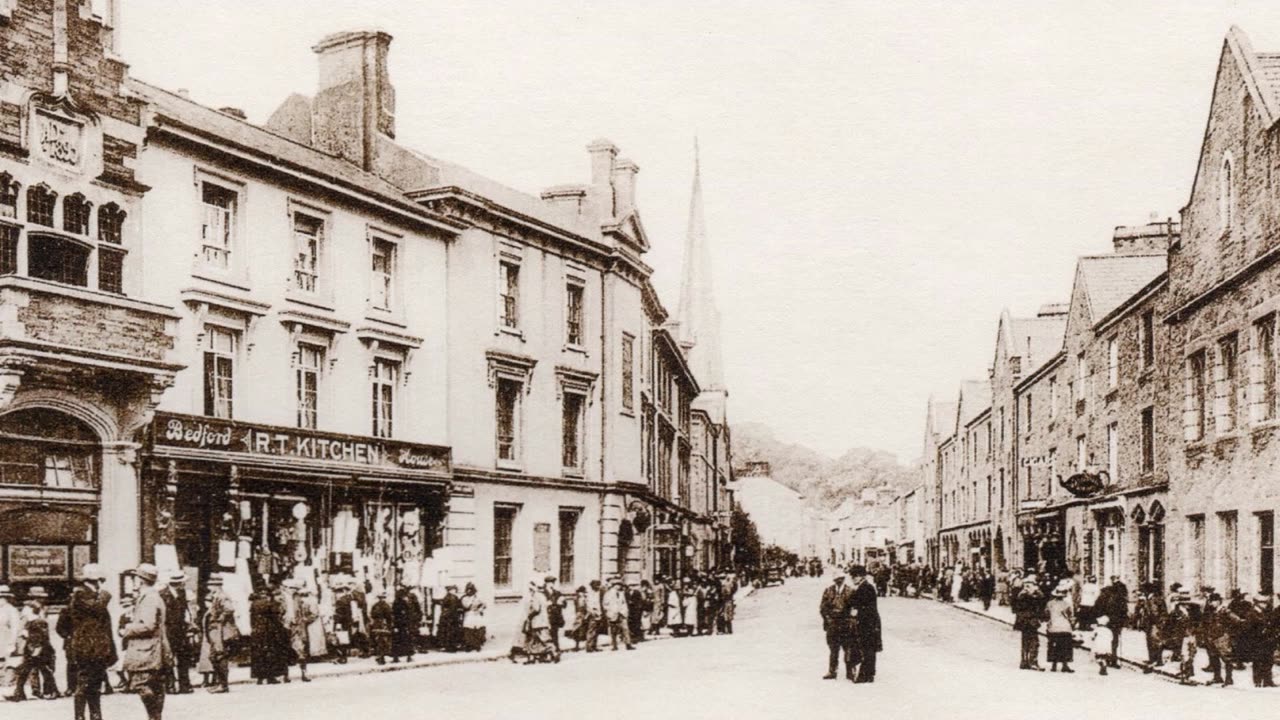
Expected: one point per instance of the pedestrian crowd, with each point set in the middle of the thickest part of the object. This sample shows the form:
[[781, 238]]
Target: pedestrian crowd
[[697, 604]]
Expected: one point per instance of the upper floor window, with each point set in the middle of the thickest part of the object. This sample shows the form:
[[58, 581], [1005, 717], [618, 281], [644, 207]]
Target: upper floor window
[[308, 365], [219, 371], [75, 214], [1113, 362], [1147, 339], [573, 313], [1228, 382], [386, 375], [8, 196], [1264, 337], [1053, 397], [308, 242], [628, 372], [111, 224], [58, 259], [571, 427], [217, 232], [508, 419], [1197, 396], [1226, 194], [382, 255], [40, 202], [509, 294]]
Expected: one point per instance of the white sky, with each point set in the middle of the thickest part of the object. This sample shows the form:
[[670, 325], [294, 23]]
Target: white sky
[[881, 178]]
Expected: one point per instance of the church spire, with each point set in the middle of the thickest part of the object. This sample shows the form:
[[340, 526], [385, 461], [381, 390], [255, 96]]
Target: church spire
[[698, 318]]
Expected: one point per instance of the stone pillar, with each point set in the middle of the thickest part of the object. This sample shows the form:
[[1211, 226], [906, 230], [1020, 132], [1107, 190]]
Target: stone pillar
[[120, 517], [460, 535]]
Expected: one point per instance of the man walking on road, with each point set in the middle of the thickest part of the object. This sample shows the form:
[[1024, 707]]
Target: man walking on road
[[1028, 610], [866, 619], [836, 610], [147, 656]]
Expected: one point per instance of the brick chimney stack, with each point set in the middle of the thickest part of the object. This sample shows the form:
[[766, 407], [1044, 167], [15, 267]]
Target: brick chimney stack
[[1155, 236], [624, 187], [355, 101], [603, 157]]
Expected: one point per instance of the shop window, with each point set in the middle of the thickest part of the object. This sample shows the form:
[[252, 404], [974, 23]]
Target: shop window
[[111, 224], [508, 419], [309, 361], [219, 371], [382, 273], [568, 542], [58, 259], [40, 202], [110, 271], [571, 430], [308, 241], [48, 449], [573, 293], [509, 294], [217, 231], [75, 214], [386, 375], [504, 520]]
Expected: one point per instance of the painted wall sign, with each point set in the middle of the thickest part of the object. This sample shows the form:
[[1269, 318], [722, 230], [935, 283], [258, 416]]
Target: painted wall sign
[[28, 563], [203, 433]]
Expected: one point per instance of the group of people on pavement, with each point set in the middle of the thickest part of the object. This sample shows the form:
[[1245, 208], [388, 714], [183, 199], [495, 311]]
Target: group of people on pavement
[[699, 604], [851, 621]]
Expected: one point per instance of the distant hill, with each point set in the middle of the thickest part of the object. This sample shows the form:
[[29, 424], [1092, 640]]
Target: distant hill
[[825, 482]]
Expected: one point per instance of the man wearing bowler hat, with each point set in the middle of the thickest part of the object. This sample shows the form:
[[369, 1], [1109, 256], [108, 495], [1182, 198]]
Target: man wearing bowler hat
[[147, 656], [836, 609], [866, 617]]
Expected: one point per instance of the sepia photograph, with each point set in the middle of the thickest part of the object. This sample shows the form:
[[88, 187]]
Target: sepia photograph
[[351, 367]]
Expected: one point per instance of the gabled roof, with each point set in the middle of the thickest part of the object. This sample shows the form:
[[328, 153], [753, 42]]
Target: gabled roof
[[975, 398], [1110, 280], [1261, 73], [1034, 339]]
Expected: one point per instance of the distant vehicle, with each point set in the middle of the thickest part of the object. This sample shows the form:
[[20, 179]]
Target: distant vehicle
[[773, 574]]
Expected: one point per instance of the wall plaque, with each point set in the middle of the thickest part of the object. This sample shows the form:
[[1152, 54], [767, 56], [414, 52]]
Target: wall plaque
[[59, 140], [29, 563]]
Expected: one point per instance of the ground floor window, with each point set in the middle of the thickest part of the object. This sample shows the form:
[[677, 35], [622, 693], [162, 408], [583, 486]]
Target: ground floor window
[[1266, 553], [568, 540], [504, 520]]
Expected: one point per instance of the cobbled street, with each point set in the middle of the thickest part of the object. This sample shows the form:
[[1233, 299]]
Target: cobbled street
[[938, 662]]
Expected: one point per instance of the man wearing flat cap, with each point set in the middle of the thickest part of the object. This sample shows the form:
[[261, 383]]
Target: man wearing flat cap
[[148, 658], [866, 616], [836, 609]]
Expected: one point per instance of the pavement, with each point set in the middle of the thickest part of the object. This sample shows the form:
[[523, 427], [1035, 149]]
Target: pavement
[[938, 662]]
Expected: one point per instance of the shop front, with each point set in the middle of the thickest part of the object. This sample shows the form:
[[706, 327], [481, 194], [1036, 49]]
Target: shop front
[[270, 503]]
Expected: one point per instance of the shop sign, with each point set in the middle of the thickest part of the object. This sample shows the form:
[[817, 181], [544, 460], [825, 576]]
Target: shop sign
[[29, 563], [1086, 484], [207, 434]]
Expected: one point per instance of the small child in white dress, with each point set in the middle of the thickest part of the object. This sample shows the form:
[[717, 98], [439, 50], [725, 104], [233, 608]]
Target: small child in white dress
[[1100, 644]]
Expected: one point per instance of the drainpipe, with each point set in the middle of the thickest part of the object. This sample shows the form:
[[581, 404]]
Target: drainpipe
[[604, 418]]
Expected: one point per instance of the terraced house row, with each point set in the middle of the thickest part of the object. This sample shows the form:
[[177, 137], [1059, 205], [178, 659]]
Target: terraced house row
[[1132, 430], [227, 346]]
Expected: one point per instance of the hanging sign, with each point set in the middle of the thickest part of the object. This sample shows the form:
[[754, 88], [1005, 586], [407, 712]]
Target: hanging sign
[[1086, 484]]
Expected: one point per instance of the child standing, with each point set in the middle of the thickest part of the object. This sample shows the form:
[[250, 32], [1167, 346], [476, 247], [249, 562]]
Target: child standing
[[1100, 644]]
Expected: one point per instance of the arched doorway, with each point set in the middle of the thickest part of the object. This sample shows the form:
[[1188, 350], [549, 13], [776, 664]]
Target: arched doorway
[[47, 541]]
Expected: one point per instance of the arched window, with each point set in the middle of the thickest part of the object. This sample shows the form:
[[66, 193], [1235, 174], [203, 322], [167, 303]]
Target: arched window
[[75, 214], [40, 202], [48, 449], [1226, 193]]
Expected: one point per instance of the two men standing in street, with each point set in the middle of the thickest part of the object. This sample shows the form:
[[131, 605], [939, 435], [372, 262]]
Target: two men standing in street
[[852, 623]]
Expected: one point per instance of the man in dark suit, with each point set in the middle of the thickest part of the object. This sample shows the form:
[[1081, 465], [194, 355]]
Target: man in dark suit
[[175, 613], [837, 620], [866, 617], [90, 640]]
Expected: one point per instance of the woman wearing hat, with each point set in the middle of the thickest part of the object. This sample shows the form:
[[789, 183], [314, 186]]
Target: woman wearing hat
[[1061, 614], [269, 656], [473, 627], [37, 654]]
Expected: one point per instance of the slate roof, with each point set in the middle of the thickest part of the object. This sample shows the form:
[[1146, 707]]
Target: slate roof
[[975, 398], [1036, 340], [1110, 280], [258, 141], [944, 419]]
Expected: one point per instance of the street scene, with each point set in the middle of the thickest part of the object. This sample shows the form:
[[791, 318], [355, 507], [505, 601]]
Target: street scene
[[938, 660], [350, 365]]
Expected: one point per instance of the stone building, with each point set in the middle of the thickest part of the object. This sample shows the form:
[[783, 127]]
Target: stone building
[[965, 531], [1223, 296], [85, 355], [366, 360], [938, 416], [777, 510]]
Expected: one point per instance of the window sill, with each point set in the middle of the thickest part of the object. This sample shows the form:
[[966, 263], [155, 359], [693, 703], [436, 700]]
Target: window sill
[[1147, 373], [509, 466], [312, 300], [575, 473], [385, 316], [1112, 394], [627, 413], [575, 349], [514, 332], [219, 276]]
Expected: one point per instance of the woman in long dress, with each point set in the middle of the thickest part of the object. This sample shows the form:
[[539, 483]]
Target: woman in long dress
[[269, 658], [675, 610], [1061, 623], [473, 627]]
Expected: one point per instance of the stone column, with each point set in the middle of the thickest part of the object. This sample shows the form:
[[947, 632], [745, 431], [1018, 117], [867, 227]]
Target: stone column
[[460, 535], [120, 517]]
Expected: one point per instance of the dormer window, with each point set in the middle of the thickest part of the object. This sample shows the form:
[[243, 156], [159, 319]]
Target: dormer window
[[40, 202], [1226, 194], [75, 214]]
